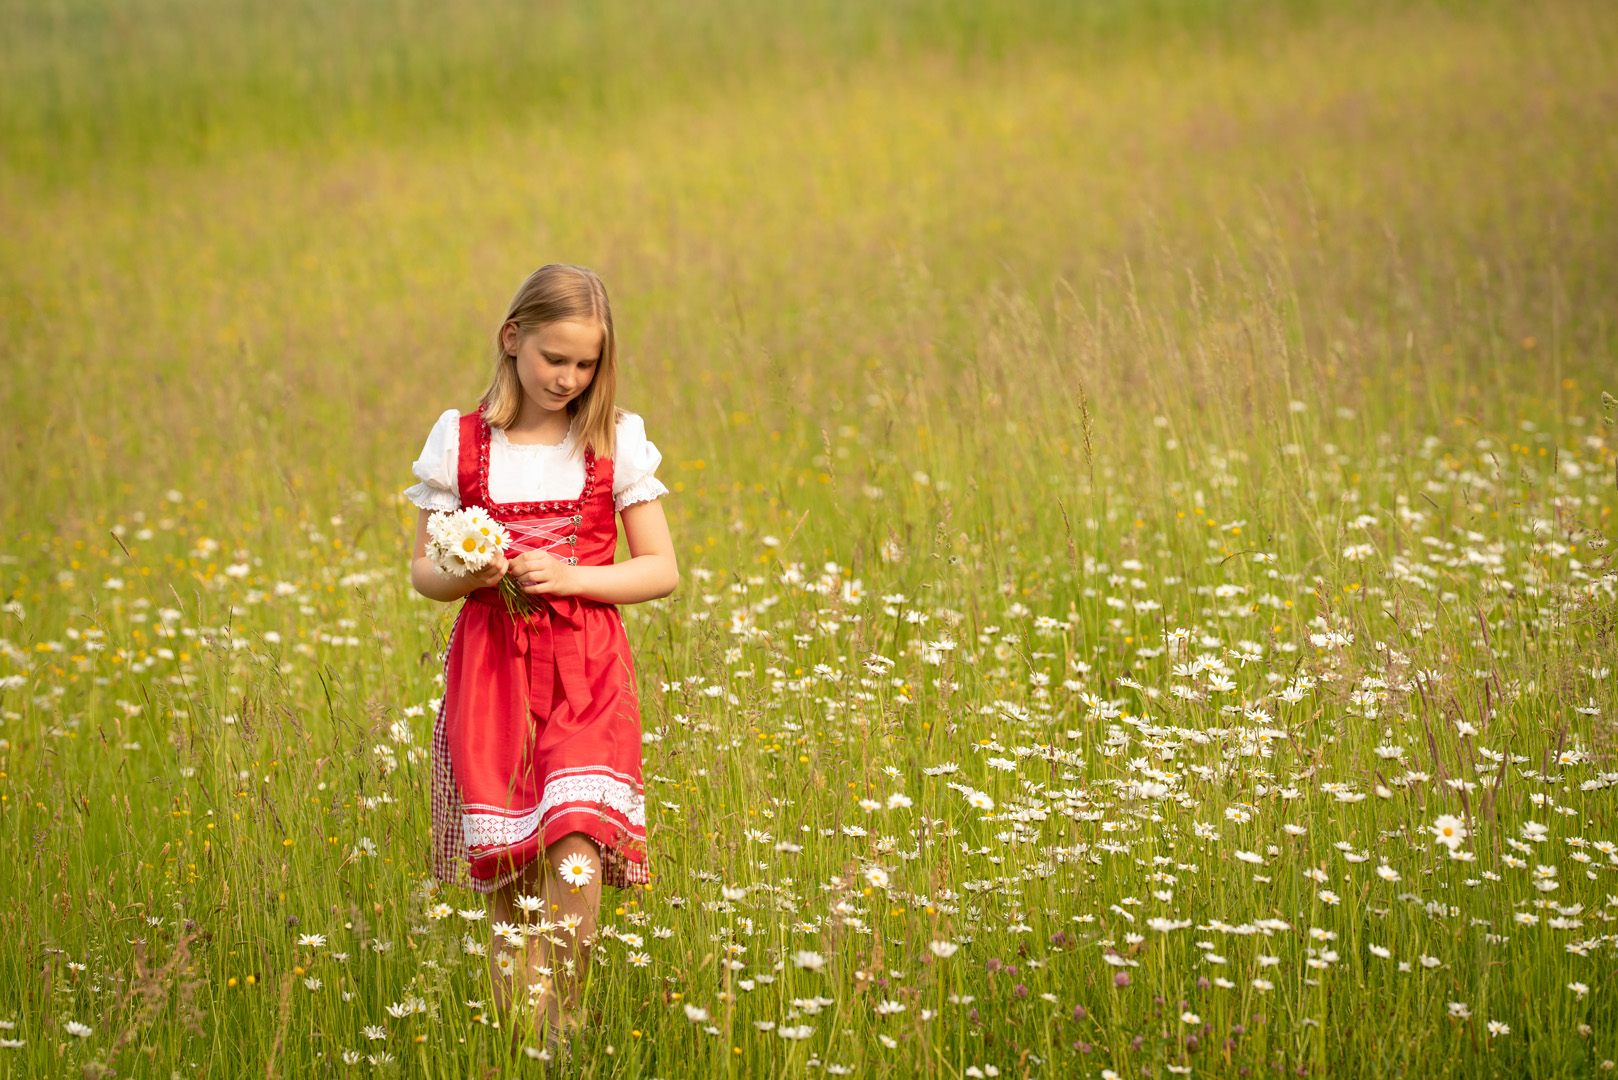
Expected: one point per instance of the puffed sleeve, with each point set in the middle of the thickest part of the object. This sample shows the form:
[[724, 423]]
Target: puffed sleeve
[[438, 466], [635, 465]]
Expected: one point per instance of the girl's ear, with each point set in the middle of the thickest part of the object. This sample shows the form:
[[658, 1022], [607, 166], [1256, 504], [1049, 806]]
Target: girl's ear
[[510, 337]]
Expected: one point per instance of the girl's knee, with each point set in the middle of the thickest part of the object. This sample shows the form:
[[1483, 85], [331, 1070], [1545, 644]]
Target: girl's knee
[[572, 843]]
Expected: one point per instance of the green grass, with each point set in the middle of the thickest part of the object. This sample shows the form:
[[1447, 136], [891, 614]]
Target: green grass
[[1050, 321], [164, 79]]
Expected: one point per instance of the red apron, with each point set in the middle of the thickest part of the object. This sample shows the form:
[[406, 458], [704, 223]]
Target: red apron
[[539, 732]]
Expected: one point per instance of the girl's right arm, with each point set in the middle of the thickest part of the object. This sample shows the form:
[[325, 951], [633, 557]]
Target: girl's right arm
[[434, 584]]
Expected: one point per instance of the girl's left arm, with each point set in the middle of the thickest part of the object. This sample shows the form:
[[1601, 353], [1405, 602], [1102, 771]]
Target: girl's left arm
[[648, 573]]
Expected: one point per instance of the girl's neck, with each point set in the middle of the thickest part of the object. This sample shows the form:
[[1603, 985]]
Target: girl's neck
[[537, 425]]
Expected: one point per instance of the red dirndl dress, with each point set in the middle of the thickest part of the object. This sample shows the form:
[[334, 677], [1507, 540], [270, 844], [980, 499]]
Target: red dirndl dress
[[538, 734]]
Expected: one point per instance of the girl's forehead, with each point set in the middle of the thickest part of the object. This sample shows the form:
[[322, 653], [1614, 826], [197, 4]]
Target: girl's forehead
[[570, 337]]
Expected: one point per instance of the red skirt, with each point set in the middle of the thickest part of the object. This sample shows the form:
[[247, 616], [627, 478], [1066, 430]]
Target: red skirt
[[538, 736]]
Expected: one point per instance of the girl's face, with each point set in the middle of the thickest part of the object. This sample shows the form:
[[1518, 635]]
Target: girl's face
[[555, 361]]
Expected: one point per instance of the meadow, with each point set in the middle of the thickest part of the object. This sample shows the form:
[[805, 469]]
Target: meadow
[[1143, 478]]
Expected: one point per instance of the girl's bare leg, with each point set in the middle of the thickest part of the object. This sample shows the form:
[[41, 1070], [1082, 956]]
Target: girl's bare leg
[[548, 971], [503, 908], [575, 907]]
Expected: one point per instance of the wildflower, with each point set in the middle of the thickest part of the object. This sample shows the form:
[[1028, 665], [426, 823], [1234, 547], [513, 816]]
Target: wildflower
[[314, 941], [1450, 831], [1497, 1028], [943, 949], [84, 1031], [796, 1034], [376, 1032], [1578, 988], [312, 983], [577, 870], [809, 961], [695, 1013]]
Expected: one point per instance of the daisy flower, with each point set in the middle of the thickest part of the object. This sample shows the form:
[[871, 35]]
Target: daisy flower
[[577, 870], [1450, 831]]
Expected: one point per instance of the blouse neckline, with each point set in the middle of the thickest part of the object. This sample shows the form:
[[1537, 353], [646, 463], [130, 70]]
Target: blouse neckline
[[499, 435], [477, 457]]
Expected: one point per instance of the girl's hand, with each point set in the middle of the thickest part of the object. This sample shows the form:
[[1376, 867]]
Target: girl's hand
[[539, 573], [489, 577]]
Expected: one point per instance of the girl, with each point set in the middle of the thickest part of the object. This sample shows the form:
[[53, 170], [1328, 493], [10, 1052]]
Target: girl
[[537, 795]]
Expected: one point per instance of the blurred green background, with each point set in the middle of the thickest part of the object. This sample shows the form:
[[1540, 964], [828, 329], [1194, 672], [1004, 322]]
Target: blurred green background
[[231, 232]]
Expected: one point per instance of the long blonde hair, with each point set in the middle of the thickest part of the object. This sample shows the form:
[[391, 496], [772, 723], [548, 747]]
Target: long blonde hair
[[557, 293]]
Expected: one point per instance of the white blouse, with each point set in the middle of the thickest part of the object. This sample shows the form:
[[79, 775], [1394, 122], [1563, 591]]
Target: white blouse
[[520, 472]]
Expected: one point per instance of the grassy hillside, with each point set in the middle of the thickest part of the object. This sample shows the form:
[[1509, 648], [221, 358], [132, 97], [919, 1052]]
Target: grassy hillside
[[89, 82]]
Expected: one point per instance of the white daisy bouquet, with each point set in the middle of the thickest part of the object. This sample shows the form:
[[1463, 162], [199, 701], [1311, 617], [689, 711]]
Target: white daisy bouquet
[[465, 541]]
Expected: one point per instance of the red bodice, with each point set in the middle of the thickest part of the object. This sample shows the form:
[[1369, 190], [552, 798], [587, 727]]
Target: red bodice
[[580, 531]]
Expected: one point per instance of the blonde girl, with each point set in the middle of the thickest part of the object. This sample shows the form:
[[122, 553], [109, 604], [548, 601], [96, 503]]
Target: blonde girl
[[537, 797]]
